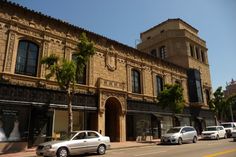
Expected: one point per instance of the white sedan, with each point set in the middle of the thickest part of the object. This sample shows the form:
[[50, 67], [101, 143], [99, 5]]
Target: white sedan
[[214, 132], [78, 143]]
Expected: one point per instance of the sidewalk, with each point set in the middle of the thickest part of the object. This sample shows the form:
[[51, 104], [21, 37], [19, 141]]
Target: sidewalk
[[114, 145]]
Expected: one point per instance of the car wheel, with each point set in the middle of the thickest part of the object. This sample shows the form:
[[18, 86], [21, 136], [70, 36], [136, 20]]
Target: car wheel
[[101, 149], [62, 152], [234, 139], [180, 141], [217, 137], [194, 139]]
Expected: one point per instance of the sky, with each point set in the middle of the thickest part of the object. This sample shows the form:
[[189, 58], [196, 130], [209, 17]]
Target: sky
[[124, 20]]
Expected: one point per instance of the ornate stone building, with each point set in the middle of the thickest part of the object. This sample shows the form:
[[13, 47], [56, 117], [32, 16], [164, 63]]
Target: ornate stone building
[[116, 94]]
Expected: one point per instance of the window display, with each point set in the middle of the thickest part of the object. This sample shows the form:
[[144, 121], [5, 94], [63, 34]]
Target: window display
[[2, 133], [13, 123]]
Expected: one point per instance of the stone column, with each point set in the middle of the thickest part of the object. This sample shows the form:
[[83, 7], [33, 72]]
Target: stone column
[[123, 126]]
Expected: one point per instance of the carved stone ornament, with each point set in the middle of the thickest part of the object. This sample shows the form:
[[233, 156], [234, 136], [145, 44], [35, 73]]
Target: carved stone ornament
[[111, 59]]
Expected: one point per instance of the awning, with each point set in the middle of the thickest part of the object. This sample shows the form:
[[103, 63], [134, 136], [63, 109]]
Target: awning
[[157, 115]]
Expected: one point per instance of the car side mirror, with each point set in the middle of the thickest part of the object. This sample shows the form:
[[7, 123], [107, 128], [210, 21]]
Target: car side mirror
[[183, 131]]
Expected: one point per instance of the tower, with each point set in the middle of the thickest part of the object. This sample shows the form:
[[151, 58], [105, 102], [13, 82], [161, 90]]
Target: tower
[[177, 42]]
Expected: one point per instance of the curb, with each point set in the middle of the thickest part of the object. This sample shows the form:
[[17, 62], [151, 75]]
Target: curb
[[127, 147]]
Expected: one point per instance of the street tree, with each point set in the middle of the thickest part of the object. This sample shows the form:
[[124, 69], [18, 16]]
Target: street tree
[[172, 97], [220, 105], [67, 72]]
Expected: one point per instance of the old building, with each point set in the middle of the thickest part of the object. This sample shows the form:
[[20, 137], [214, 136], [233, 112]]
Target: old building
[[177, 42], [117, 93]]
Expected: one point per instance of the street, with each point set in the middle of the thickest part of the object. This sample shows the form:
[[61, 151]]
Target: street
[[203, 148]]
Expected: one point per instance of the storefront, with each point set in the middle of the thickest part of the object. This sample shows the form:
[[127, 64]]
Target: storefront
[[34, 115]]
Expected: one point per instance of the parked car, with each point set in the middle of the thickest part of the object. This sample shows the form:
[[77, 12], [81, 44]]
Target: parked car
[[214, 132], [234, 134], [178, 135], [78, 143], [229, 126]]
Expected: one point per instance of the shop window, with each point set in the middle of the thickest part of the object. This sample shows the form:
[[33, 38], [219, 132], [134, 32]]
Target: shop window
[[81, 77], [27, 58], [136, 88], [159, 84], [13, 123], [162, 52]]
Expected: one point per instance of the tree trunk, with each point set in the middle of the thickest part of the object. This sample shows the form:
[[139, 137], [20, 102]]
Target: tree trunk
[[70, 113]]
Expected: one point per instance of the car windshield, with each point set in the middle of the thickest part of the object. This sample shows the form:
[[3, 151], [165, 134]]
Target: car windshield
[[226, 125], [173, 130], [67, 137], [211, 129]]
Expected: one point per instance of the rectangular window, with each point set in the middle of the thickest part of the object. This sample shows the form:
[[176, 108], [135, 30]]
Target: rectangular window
[[154, 53], [136, 81], [203, 56], [81, 78], [159, 84], [162, 52], [197, 52], [191, 51]]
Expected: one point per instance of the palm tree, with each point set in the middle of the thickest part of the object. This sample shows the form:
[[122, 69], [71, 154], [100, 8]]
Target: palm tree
[[67, 72]]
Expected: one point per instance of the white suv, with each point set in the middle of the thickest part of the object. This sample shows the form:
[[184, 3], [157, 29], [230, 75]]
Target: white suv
[[229, 126]]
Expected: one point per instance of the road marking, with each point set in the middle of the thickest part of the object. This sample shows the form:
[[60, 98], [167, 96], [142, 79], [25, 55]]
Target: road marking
[[150, 153], [221, 153]]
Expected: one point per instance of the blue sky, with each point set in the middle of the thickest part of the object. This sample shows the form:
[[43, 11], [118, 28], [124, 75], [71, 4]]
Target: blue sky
[[124, 20]]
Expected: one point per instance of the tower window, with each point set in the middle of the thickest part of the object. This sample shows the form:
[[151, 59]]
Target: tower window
[[203, 56], [191, 51], [154, 52], [197, 53], [162, 52]]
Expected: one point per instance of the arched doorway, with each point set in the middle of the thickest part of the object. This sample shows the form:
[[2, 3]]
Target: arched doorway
[[112, 119]]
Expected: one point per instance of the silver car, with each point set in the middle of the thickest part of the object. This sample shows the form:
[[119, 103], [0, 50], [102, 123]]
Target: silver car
[[78, 143], [178, 135]]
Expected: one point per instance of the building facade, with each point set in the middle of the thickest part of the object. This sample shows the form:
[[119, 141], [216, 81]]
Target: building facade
[[117, 94]]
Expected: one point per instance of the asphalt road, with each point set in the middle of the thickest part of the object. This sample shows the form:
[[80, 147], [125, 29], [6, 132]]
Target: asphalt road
[[203, 148]]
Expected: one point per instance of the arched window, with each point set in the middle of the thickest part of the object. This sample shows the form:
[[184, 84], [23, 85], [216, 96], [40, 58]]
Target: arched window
[[136, 88], [27, 58], [81, 78]]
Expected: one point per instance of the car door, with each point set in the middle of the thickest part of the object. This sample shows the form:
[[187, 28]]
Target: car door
[[221, 132], [78, 144], [93, 141], [185, 136]]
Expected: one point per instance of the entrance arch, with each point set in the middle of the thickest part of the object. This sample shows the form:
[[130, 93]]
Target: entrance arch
[[112, 119]]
